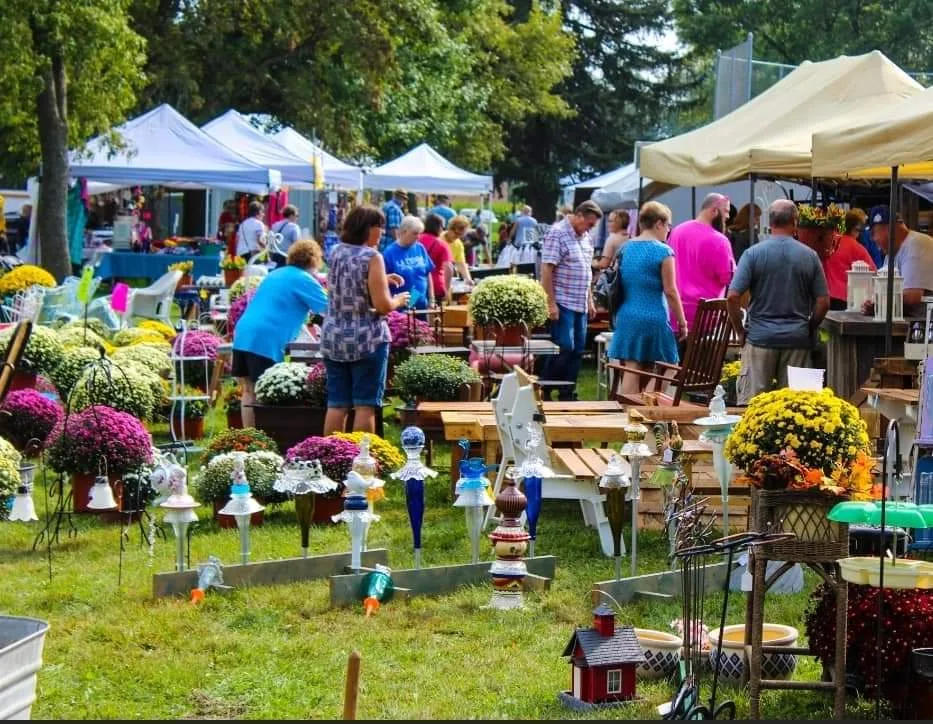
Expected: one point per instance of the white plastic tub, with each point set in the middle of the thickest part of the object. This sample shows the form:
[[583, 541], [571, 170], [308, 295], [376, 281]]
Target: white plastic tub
[[21, 642], [804, 378]]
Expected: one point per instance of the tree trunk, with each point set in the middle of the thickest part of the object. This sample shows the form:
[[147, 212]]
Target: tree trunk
[[53, 190]]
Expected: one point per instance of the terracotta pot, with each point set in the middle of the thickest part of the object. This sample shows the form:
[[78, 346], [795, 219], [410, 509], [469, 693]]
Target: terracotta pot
[[185, 281], [228, 521], [235, 419], [324, 507], [193, 428], [510, 335], [231, 275], [23, 380], [822, 241], [289, 424]]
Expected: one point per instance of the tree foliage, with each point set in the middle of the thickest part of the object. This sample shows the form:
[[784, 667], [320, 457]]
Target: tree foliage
[[371, 78], [620, 90]]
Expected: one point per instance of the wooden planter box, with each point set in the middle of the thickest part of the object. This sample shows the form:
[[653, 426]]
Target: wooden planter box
[[289, 425]]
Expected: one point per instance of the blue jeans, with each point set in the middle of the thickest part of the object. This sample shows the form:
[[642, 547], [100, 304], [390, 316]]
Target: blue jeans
[[568, 332], [360, 383]]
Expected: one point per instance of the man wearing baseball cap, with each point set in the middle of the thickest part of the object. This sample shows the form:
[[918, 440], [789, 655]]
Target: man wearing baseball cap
[[913, 257]]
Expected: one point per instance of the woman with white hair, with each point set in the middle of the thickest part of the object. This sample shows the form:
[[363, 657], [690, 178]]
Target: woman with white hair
[[409, 259]]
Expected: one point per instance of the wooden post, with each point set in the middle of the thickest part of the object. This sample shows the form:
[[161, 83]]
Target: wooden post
[[352, 691]]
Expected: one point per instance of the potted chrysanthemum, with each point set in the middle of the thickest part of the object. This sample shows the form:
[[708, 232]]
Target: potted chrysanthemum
[[42, 354], [291, 402], [95, 440], [212, 485], [27, 418], [509, 303]]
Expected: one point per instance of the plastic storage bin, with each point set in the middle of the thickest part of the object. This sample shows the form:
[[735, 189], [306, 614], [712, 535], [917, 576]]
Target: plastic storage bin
[[21, 642]]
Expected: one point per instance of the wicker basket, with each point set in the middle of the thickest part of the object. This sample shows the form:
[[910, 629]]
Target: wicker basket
[[803, 513]]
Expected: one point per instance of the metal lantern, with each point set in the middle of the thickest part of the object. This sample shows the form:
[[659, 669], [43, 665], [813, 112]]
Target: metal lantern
[[242, 504], [880, 295], [859, 286]]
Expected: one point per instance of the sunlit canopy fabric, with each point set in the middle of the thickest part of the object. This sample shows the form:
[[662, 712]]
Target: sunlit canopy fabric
[[238, 134], [336, 172], [772, 134], [164, 147], [623, 187], [424, 170], [898, 135]]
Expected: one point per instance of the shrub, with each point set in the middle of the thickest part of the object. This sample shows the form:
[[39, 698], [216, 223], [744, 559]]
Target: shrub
[[82, 337], [43, 353], [99, 432], [287, 383], [126, 388], [27, 418], [97, 326], [437, 377], [9, 451], [388, 456], [336, 455], [23, 277], [249, 439], [262, 469], [509, 299], [151, 356], [137, 335], [9, 482], [243, 285], [74, 362]]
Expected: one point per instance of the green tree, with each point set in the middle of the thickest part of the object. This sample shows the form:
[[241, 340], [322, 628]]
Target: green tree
[[370, 78], [71, 69], [620, 90]]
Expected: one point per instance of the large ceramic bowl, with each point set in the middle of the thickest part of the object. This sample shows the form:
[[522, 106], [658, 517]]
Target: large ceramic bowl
[[773, 666], [662, 653]]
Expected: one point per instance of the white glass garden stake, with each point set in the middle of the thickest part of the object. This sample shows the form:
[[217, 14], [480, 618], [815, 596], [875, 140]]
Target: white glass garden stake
[[179, 508], [242, 504]]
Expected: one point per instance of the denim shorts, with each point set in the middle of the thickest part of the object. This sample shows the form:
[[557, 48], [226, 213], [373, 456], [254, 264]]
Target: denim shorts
[[360, 383]]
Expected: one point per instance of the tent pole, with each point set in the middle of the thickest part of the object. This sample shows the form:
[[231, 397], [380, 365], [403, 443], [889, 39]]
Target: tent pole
[[641, 191], [892, 229], [753, 238], [693, 202]]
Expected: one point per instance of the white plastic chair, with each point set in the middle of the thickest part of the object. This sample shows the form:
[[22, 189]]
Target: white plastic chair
[[154, 301]]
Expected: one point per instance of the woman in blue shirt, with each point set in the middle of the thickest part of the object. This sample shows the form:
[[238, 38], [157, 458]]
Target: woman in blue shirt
[[274, 317], [409, 259]]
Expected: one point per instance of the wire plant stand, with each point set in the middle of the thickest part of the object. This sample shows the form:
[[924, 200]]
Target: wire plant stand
[[693, 549], [180, 370]]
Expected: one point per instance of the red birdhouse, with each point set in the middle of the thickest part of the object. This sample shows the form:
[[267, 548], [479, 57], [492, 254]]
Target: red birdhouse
[[603, 660]]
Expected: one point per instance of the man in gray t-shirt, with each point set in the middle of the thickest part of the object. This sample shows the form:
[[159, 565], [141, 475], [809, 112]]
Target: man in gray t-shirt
[[789, 299], [913, 258]]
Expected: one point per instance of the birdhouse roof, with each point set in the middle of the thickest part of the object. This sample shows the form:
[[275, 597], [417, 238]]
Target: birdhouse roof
[[620, 648]]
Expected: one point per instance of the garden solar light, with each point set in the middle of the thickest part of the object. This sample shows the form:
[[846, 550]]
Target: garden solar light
[[472, 496], [23, 507], [101, 497]]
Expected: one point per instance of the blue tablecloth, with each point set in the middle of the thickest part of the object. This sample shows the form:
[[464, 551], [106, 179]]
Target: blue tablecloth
[[128, 264]]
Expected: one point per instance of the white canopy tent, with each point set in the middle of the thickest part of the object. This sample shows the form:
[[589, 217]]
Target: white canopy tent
[[424, 170], [163, 147], [771, 135], [336, 172], [238, 134]]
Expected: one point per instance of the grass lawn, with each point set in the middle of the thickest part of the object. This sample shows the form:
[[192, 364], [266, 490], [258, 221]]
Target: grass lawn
[[280, 652]]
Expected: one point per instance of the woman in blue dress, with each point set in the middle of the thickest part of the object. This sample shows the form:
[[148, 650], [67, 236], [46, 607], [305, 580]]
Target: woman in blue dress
[[643, 334]]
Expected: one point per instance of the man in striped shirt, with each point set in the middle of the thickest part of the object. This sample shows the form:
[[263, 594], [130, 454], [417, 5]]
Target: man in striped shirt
[[567, 275]]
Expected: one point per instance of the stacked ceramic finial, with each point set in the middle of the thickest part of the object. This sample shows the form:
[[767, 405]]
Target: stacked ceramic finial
[[413, 473], [472, 496], [242, 504], [180, 510], [510, 541], [304, 479], [356, 514]]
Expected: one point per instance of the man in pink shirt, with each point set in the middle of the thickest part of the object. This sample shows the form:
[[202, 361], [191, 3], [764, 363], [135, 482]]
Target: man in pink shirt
[[704, 256]]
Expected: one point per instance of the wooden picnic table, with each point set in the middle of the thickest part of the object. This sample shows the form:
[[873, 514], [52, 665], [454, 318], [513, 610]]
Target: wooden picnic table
[[429, 413]]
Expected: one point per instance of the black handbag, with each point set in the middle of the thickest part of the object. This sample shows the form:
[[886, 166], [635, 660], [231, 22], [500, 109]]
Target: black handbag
[[608, 292]]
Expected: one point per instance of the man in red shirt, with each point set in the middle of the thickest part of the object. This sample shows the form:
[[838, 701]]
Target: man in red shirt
[[837, 265]]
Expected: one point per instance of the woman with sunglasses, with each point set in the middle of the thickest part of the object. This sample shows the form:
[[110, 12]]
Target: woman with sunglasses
[[643, 334]]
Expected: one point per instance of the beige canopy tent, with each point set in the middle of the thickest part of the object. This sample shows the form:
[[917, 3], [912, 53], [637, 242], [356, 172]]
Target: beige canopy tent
[[895, 136], [772, 134]]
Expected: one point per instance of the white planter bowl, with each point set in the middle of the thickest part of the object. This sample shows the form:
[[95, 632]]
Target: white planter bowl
[[662, 653], [773, 666]]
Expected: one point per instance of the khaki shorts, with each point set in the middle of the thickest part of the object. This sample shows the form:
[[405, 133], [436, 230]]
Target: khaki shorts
[[765, 368]]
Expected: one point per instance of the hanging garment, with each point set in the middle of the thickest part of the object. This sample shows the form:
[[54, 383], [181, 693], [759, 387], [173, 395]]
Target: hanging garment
[[76, 220]]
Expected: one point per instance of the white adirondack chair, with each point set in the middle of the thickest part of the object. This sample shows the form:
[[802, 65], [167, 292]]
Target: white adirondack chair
[[558, 487], [502, 407]]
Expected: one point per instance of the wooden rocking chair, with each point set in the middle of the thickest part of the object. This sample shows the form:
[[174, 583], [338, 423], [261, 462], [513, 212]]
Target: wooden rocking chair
[[700, 371]]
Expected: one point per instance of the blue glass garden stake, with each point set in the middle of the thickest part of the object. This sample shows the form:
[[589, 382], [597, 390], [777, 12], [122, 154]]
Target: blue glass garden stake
[[413, 472], [472, 496], [532, 471]]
